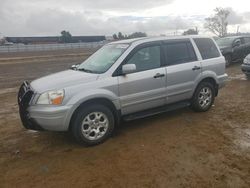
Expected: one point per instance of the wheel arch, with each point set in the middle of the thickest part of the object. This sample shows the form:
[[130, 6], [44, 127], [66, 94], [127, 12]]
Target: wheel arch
[[100, 100], [211, 80]]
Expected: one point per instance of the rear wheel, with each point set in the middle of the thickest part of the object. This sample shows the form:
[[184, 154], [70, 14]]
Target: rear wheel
[[203, 97], [92, 125]]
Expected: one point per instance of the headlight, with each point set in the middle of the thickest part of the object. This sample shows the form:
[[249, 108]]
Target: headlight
[[51, 97], [246, 61]]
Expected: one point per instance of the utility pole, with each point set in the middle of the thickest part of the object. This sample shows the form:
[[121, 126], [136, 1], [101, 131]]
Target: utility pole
[[238, 28], [196, 29]]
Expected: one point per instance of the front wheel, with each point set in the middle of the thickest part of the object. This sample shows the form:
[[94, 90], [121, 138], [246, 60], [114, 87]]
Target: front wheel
[[203, 97], [93, 124]]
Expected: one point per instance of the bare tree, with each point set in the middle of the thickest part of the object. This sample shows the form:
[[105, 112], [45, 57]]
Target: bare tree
[[217, 23]]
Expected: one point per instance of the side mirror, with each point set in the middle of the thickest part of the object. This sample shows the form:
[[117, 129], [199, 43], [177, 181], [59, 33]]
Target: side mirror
[[236, 43], [128, 68], [74, 67]]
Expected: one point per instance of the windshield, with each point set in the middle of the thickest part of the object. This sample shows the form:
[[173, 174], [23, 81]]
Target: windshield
[[103, 59], [225, 42]]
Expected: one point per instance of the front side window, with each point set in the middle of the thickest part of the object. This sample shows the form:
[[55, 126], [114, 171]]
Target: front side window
[[103, 59], [146, 58], [179, 52], [207, 48]]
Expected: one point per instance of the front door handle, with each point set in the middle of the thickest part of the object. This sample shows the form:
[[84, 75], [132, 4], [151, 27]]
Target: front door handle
[[158, 75], [196, 68]]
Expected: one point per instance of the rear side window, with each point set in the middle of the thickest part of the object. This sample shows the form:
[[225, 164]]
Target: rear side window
[[207, 48], [179, 52]]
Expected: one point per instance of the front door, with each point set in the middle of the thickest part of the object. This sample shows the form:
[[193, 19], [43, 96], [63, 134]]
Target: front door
[[145, 88]]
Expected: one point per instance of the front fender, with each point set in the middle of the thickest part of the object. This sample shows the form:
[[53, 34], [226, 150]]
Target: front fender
[[92, 94], [85, 96]]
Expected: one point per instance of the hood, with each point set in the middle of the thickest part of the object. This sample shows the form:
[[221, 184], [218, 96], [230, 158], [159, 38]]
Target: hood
[[225, 49], [61, 80]]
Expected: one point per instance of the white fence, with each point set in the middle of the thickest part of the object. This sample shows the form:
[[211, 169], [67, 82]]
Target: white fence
[[49, 47]]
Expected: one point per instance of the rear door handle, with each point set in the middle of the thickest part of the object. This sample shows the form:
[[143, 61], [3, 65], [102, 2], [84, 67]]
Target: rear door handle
[[196, 68], [158, 75]]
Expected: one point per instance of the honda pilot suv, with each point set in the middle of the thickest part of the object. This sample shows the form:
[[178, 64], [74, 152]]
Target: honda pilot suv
[[126, 80]]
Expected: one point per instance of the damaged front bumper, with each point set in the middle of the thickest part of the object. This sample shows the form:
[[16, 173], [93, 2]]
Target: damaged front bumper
[[24, 97]]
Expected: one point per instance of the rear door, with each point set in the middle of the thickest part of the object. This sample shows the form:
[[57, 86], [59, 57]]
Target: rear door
[[182, 68]]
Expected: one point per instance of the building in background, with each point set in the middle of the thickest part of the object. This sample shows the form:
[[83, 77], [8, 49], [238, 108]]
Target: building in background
[[53, 39]]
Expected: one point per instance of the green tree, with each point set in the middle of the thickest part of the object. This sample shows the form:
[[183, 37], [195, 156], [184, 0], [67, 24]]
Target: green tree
[[115, 36], [2, 41], [120, 35], [191, 32], [137, 35], [218, 23], [133, 35], [66, 37]]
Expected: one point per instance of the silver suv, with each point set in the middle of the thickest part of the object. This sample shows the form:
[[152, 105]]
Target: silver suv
[[124, 80]]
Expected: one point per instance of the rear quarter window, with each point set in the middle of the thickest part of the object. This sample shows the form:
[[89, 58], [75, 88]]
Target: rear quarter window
[[207, 48]]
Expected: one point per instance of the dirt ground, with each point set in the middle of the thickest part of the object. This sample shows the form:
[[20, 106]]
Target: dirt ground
[[176, 149]]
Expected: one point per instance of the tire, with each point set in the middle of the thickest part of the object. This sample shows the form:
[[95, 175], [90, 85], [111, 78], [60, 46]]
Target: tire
[[248, 77], [203, 97], [228, 59], [89, 127]]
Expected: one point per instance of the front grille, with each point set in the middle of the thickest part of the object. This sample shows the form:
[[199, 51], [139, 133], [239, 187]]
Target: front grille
[[25, 95]]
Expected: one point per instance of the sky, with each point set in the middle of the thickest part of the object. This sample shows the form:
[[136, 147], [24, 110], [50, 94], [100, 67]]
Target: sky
[[106, 17]]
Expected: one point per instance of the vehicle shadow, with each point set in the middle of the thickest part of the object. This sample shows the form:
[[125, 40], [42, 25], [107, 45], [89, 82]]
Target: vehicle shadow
[[128, 126], [125, 128]]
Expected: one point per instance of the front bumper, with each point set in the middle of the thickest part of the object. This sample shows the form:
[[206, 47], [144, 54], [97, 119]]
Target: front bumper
[[245, 68], [51, 118], [40, 117]]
